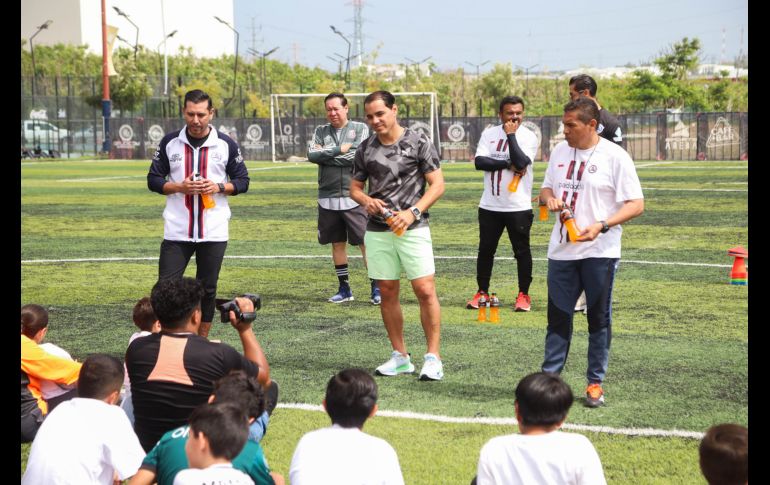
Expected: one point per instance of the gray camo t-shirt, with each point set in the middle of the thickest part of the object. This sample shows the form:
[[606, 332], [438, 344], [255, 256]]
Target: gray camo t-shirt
[[396, 172]]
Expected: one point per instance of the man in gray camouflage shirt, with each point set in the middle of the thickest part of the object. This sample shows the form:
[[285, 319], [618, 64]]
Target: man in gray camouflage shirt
[[397, 163]]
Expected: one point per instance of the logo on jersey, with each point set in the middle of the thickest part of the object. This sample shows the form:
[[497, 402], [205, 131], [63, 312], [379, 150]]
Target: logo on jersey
[[352, 135], [216, 156], [176, 158], [592, 169]]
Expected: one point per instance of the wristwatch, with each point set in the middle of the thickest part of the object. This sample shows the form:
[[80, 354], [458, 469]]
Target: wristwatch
[[221, 188], [417, 213], [605, 227]]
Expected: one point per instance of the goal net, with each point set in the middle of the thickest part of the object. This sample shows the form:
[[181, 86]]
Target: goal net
[[294, 118]]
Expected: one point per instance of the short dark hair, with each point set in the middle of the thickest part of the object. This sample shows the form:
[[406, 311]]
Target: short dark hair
[[544, 399], [584, 81], [586, 109], [510, 100], [350, 397], [224, 425], [197, 96], [175, 299], [386, 97], [100, 375], [243, 390], [343, 99], [34, 318], [144, 316], [724, 454]]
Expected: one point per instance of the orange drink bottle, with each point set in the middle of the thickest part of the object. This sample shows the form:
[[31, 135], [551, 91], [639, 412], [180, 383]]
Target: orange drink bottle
[[568, 219], [514, 182], [482, 317], [543, 212], [208, 200], [494, 308], [387, 214]]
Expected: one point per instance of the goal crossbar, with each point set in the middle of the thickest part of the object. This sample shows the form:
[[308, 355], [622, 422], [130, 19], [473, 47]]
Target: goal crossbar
[[431, 94]]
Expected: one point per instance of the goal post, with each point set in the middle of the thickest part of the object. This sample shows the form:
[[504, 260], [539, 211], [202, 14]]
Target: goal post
[[432, 131]]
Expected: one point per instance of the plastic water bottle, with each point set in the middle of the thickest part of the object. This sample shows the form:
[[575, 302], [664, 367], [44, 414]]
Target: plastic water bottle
[[568, 219], [208, 200], [494, 308], [387, 214], [482, 317]]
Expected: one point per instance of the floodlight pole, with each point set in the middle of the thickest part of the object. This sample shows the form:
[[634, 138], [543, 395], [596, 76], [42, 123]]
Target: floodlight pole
[[526, 78], [263, 80], [347, 64], [136, 42], [32, 51], [237, 41]]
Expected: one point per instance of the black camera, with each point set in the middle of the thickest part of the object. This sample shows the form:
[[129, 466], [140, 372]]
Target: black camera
[[226, 306]]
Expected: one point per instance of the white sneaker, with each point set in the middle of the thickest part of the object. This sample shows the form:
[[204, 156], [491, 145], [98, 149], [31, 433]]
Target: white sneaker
[[398, 364], [580, 306], [432, 369]]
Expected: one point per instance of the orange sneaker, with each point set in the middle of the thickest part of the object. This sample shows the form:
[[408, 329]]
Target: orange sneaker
[[523, 303], [473, 303], [594, 395]]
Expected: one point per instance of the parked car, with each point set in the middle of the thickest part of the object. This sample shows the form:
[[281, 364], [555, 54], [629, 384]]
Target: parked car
[[44, 134]]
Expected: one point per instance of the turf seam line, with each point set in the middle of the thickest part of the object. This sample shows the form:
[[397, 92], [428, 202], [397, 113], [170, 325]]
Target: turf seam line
[[319, 256], [512, 421]]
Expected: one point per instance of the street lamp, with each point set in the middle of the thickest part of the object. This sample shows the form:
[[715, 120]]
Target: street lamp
[[478, 67], [165, 60], [237, 41], [526, 69], [347, 64], [136, 43], [263, 81], [338, 61], [32, 51]]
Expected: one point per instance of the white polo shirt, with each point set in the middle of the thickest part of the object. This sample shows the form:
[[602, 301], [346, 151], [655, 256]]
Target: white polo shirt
[[496, 196], [594, 183]]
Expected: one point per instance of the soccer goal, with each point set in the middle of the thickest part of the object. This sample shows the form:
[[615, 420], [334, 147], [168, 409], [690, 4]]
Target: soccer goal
[[289, 133]]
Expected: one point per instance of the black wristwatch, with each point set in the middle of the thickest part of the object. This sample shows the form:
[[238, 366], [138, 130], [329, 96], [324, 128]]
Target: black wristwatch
[[605, 227], [221, 188], [417, 213]]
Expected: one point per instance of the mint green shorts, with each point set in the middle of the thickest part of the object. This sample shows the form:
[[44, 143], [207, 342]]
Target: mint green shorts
[[387, 254]]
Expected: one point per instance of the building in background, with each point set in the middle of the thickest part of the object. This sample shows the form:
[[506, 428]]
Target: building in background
[[77, 22]]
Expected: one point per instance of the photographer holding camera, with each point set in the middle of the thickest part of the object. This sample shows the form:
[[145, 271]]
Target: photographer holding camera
[[173, 371]]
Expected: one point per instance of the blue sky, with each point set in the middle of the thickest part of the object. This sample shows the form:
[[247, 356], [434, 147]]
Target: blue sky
[[551, 34]]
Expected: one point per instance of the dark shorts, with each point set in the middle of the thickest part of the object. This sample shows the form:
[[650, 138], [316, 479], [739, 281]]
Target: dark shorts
[[340, 226]]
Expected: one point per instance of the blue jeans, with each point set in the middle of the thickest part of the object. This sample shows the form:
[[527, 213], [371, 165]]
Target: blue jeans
[[566, 279]]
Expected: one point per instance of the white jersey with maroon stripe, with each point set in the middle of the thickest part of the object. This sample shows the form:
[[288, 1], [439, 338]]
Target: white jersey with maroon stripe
[[594, 183], [496, 196], [185, 219]]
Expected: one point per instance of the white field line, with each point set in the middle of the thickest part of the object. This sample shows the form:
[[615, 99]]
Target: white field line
[[699, 167], [694, 190], [315, 256], [512, 422], [99, 179]]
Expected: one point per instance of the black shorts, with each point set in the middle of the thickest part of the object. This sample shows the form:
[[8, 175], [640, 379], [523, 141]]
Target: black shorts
[[340, 226]]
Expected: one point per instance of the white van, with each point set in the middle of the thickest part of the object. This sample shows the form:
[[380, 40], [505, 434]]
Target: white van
[[43, 133]]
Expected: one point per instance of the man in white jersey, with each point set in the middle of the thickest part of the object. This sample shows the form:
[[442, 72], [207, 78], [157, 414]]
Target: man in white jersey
[[609, 128], [505, 151], [597, 180], [190, 166]]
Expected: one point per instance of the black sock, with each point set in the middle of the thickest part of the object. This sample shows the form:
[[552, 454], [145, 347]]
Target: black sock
[[373, 283], [342, 275]]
